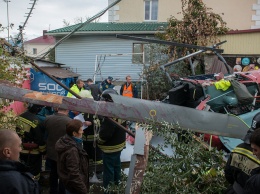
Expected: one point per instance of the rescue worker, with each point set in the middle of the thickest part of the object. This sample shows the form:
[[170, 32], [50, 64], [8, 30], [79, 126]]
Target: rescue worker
[[253, 184], [79, 86], [111, 141], [32, 135], [89, 139], [106, 84], [76, 87], [128, 89], [241, 161], [95, 90]]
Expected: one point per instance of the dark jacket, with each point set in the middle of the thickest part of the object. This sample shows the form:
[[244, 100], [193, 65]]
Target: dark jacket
[[240, 164], [134, 90], [253, 184], [111, 138], [95, 91], [14, 179], [30, 129], [55, 126], [72, 165], [105, 85], [89, 131]]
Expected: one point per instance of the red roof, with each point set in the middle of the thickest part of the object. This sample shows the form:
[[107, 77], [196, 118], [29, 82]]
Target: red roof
[[46, 39]]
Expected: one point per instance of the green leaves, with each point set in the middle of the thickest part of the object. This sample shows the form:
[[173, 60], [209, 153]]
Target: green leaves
[[191, 168]]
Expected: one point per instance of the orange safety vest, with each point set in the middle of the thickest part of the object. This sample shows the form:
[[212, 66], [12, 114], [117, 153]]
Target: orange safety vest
[[128, 91]]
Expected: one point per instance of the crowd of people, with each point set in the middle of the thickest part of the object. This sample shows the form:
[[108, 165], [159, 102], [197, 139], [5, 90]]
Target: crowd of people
[[67, 145], [70, 145]]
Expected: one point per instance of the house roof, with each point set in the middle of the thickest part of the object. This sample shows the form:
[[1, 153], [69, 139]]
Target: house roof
[[243, 31], [60, 72], [50, 62], [140, 28], [46, 39]]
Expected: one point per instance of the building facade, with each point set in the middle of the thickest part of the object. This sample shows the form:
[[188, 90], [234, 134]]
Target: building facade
[[38, 46], [239, 14], [95, 52]]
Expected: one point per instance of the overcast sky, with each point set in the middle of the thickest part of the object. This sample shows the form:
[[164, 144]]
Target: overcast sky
[[48, 14]]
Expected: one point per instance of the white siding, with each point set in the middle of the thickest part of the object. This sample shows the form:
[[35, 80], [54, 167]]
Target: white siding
[[79, 53]]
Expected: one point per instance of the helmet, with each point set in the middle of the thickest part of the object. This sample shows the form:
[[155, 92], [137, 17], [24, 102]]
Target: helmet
[[254, 125], [85, 94], [105, 94]]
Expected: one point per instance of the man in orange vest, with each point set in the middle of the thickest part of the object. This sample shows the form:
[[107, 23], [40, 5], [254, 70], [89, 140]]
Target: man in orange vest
[[128, 89]]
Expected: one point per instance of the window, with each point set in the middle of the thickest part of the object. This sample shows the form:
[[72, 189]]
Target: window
[[35, 51], [150, 10], [138, 50]]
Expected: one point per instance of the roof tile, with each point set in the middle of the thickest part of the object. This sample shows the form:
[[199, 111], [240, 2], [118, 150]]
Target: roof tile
[[144, 26]]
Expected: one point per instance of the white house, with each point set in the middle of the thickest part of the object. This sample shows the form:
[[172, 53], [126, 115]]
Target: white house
[[95, 52]]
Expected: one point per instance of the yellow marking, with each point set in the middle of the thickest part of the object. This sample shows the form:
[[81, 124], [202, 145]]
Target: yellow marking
[[152, 113]]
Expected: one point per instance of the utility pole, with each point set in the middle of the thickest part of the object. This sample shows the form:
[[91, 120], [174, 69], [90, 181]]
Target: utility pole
[[8, 27]]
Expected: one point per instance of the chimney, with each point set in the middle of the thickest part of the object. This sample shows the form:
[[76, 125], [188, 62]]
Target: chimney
[[44, 36]]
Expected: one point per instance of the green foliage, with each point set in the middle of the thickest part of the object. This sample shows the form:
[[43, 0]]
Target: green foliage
[[11, 70], [158, 83], [191, 168], [11, 64], [8, 120], [199, 26]]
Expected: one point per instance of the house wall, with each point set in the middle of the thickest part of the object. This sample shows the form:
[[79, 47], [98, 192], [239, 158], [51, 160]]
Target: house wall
[[80, 54], [245, 43], [239, 14], [41, 48]]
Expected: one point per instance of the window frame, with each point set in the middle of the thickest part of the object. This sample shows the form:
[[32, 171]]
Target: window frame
[[151, 3], [143, 48], [34, 51]]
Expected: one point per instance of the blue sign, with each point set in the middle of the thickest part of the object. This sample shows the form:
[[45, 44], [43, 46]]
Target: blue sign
[[42, 83]]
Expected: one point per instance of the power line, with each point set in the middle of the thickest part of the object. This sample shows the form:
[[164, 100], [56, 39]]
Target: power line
[[82, 25]]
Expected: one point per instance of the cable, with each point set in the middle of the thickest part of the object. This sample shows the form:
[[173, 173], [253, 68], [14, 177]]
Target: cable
[[26, 20], [81, 26]]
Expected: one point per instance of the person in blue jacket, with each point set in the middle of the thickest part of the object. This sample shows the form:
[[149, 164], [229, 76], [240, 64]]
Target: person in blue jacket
[[106, 84]]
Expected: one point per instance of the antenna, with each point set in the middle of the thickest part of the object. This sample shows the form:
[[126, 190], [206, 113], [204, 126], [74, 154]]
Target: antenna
[[21, 27]]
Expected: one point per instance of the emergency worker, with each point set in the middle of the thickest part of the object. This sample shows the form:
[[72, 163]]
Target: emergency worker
[[242, 161], [128, 89], [76, 87], [33, 145], [79, 86], [253, 184], [94, 88], [111, 141], [106, 84], [89, 135]]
